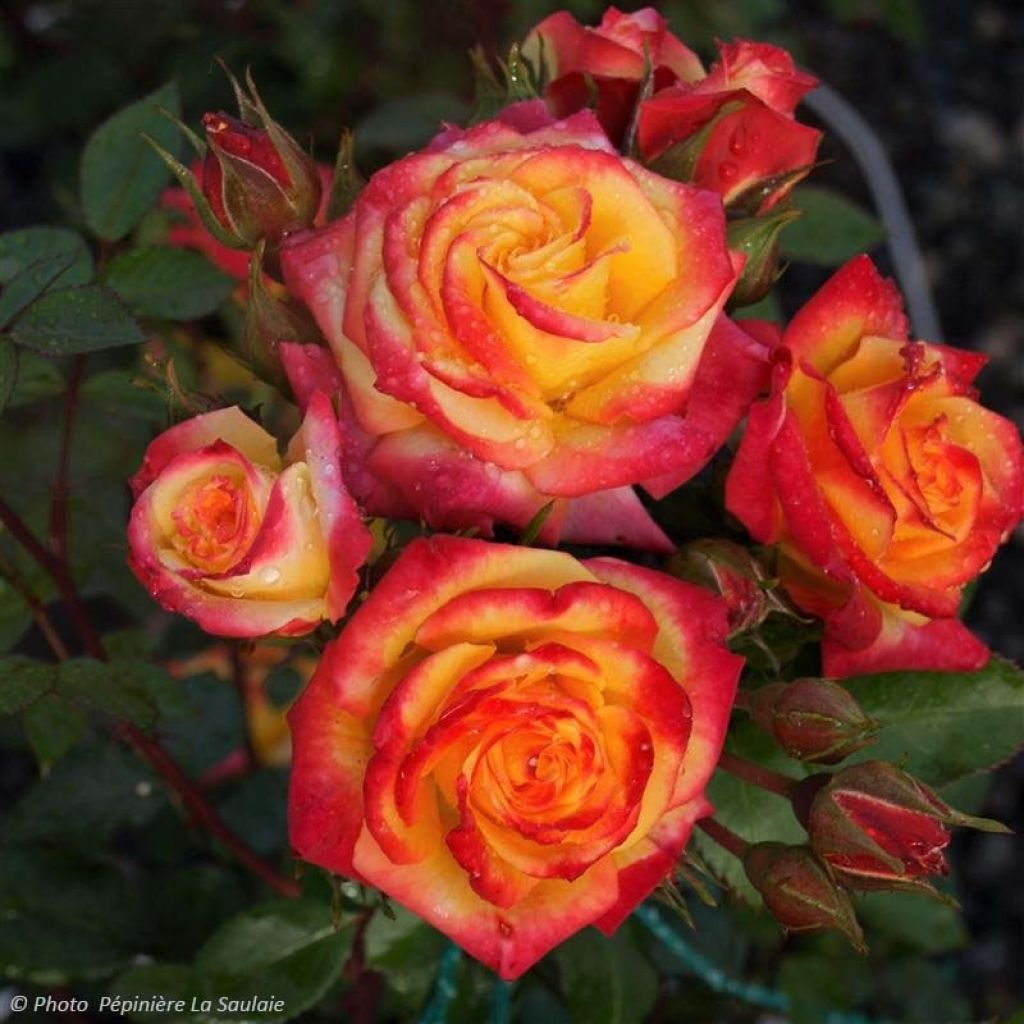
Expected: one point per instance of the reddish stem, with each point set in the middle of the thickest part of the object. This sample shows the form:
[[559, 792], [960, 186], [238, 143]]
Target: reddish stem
[[757, 775], [725, 837], [201, 812]]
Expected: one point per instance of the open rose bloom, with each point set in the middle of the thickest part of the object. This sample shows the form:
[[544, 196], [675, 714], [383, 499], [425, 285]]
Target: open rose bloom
[[519, 315], [511, 743], [884, 483], [225, 534]]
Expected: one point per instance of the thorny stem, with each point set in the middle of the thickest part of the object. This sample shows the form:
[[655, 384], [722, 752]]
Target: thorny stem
[[195, 804], [757, 775], [20, 586], [725, 837]]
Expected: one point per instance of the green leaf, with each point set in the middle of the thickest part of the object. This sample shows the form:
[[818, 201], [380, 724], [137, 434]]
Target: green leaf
[[209, 728], [8, 371], [752, 813], [65, 917], [606, 980], [52, 727], [116, 688], [119, 392], [91, 792], [167, 283], [23, 682], [818, 982], [256, 810], [284, 950], [20, 249], [25, 287], [946, 724], [912, 919], [37, 378], [406, 951], [121, 176], [139, 986], [831, 230], [75, 320]]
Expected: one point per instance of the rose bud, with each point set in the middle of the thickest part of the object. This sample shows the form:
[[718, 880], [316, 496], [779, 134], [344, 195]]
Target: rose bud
[[757, 238], [734, 130], [731, 572], [812, 719], [223, 534], [258, 181], [797, 889], [607, 65], [879, 828]]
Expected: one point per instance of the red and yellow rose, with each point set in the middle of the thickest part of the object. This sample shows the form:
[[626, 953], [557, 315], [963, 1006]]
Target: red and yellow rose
[[521, 316], [226, 534], [511, 743], [884, 483]]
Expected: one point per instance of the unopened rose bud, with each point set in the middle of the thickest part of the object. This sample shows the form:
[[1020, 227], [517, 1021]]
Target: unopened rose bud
[[757, 238], [879, 828], [258, 181], [812, 719], [730, 571], [796, 887]]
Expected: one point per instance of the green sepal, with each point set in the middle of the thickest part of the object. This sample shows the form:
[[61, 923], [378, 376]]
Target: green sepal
[[188, 182], [679, 161], [347, 182]]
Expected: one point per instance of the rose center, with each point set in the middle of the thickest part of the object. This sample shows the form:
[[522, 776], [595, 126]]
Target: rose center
[[936, 476], [215, 522]]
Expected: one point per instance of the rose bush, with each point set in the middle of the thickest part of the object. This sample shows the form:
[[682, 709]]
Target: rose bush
[[222, 533], [521, 315], [882, 481], [511, 743]]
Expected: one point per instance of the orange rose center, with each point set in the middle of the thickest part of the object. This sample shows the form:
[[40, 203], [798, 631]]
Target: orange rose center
[[216, 522], [934, 472]]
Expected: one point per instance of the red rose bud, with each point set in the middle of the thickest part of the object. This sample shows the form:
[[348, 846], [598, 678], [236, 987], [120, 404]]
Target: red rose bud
[[757, 238], [879, 828], [812, 719], [258, 181], [796, 887], [730, 571]]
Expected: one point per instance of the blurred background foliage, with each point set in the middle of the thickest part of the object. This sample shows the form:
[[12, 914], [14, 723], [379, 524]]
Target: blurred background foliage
[[102, 885]]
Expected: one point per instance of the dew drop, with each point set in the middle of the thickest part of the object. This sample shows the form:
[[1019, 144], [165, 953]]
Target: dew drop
[[270, 574], [728, 171]]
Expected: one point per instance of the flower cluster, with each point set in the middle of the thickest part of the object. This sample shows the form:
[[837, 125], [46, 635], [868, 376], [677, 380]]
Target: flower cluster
[[524, 322]]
